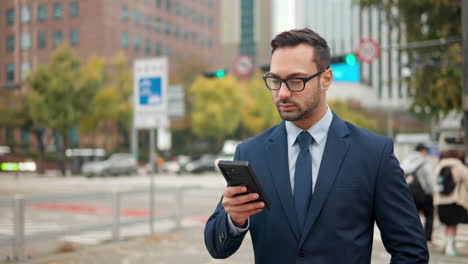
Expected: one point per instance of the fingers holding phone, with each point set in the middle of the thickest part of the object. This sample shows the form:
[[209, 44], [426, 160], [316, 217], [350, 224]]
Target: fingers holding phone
[[240, 206]]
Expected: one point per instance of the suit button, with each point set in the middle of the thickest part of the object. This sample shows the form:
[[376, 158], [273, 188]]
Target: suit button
[[300, 255], [221, 237]]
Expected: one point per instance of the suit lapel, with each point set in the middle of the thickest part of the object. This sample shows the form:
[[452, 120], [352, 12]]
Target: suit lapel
[[335, 150], [277, 157]]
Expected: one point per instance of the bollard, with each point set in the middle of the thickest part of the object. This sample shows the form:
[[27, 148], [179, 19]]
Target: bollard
[[18, 223], [179, 201], [115, 215]]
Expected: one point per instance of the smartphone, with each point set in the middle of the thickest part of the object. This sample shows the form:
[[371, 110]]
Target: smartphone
[[239, 173]]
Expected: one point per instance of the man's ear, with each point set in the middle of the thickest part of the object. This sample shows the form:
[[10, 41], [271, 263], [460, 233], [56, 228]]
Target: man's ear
[[326, 78]]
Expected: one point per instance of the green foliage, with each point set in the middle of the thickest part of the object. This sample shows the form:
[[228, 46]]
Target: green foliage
[[12, 107], [436, 71], [112, 102], [216, 107], [354, 116], [259, 112], [57, 98]]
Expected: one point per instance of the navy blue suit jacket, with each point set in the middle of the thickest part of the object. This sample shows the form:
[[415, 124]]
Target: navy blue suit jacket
[[360, 182]]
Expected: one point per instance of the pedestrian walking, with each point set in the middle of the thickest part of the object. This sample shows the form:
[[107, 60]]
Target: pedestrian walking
[[327, 180], [451, 196], [419, 174]]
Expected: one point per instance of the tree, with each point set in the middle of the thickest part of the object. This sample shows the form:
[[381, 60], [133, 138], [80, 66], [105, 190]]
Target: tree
[[356, 117], [58, 99], [259, 112], [216, 108], [110, 108], [436, 71]]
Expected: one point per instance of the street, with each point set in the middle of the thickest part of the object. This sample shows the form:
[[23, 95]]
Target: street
[[167, 245]]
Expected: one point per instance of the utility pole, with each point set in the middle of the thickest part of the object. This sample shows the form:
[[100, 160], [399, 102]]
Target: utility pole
[[465, 73]]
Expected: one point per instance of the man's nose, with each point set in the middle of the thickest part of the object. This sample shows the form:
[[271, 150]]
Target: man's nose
[[284, 91]]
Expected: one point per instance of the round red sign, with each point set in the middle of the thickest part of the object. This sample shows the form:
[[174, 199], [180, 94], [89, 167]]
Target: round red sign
[[243, 65], [368, 50]]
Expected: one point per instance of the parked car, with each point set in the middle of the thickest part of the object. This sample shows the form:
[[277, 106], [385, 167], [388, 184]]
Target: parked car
[[203, 164], [116, 164]]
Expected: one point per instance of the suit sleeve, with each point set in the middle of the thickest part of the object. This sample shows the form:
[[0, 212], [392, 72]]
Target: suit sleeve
[[395, 213], [219, 241]]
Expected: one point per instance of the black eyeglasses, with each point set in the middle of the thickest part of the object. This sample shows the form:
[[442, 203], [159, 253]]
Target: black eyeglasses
[[294, 84]]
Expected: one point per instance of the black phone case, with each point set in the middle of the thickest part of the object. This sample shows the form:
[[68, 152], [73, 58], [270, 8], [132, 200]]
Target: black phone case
[[239, 173]]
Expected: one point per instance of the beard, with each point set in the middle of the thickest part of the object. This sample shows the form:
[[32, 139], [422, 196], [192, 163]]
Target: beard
[[300, 112]]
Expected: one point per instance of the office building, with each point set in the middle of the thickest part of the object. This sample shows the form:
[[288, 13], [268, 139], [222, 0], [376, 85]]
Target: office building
[[30, 30]]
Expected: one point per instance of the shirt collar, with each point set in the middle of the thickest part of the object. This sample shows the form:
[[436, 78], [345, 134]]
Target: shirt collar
[[318, 131]]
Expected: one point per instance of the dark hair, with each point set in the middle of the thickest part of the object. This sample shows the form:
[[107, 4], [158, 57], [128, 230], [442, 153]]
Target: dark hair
[[420, 147], [295, 37]]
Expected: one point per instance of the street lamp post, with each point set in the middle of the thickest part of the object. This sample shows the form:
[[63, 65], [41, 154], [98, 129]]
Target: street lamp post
[[465, 72]]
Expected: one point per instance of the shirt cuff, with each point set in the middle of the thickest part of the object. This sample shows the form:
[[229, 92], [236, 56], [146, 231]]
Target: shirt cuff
[[234, 230]]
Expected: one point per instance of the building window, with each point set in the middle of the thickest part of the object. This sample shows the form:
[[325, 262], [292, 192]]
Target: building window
[[136, 17], [168, 51], [147, 46], [158, 25], [25, 15], [24, 136], [148, 22], [41, 40], [177, 9], [74, 36], [25, 67], [57, 38], [42, 12], [74, 9], [124, 13], [177, 31], [58, 10], [157, 49], [25, 41], [10, 73], [124, 40], [158, 3], [210, 22], [10, 16], [136, 43], [10, 43], [168, 5], [168, 28], [148, 2]]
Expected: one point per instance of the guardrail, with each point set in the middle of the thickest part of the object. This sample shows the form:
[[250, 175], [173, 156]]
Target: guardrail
[[18, 204]]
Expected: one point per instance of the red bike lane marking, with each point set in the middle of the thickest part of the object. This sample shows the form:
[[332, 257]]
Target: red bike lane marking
[[105, 211], [90, 209]]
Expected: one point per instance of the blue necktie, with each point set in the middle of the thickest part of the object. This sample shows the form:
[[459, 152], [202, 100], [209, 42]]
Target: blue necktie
[[303, 177]]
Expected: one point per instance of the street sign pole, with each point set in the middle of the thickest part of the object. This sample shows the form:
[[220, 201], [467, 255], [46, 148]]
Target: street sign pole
[[152, 156], [150, 101], [465, 72]]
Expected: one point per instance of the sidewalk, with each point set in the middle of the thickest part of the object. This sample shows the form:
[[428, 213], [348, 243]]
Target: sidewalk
[[187, 246]]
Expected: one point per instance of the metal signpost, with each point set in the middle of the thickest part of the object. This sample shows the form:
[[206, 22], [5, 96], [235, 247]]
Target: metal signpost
[[465, 72], [150, 78]]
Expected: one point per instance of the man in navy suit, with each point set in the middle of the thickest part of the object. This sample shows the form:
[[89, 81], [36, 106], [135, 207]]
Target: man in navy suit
[[327, 180]]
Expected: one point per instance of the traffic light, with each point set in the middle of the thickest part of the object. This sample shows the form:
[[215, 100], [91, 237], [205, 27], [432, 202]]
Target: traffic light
[[220, 73], [349, 59]]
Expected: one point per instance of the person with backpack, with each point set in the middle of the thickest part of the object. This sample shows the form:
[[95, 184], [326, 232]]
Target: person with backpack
[[451, 196], [420, 178]]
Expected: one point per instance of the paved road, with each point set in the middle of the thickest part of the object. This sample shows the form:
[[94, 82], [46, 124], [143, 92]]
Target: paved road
[[167, 246]]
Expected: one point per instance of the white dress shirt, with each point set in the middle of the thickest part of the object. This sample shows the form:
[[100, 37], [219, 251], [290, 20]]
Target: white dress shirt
[[319, 131]]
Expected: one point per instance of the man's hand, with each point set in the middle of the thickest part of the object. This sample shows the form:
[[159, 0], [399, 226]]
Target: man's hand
[[238, 207]]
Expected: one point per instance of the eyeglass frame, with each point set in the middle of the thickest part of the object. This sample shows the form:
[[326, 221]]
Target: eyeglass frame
[[304, 81]]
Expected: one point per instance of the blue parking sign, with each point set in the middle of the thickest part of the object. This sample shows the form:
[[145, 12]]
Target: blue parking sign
[[150, 91]]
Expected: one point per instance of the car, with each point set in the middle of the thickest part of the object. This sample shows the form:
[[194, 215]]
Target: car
[[117, 164], [204, 164]]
